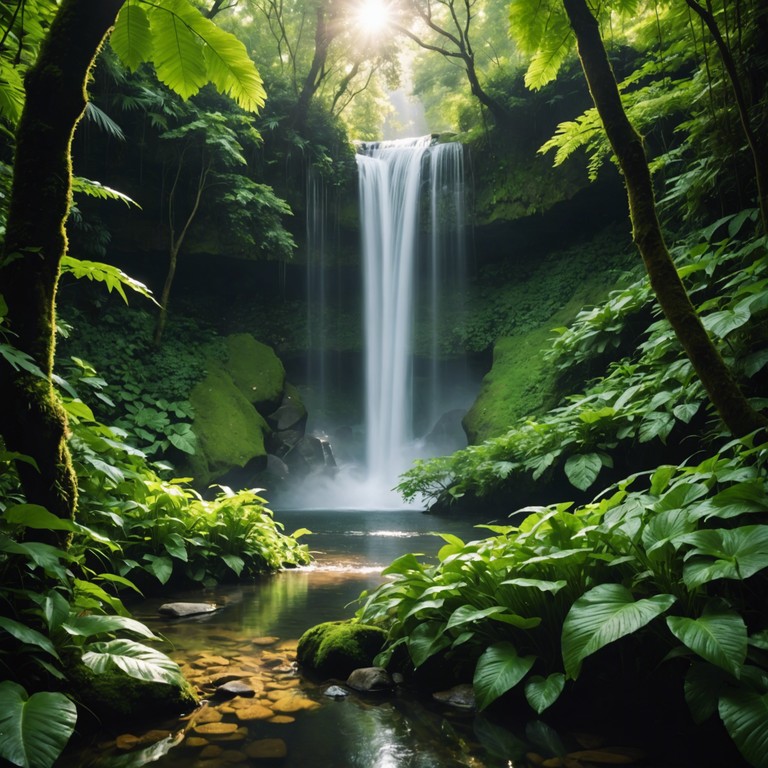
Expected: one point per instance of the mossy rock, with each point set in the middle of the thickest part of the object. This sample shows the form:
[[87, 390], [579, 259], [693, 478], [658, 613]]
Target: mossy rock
[[113, 696], [230, 431], [520, 383], [335, 648], [256, 371]]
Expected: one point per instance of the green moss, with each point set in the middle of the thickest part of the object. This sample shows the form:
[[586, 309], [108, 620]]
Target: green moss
[[521, 381], [256, 371], [335, 648], [114, 696], [229, 429]]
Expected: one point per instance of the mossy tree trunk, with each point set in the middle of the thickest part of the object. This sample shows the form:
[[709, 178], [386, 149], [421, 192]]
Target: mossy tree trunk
[[734, 409], [32, 420]]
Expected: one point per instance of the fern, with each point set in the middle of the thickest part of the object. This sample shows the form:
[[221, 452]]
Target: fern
[[112, 277], [98, 190]]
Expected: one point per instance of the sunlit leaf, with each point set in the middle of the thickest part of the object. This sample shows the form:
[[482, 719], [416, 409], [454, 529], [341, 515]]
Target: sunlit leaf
[[136, 660]]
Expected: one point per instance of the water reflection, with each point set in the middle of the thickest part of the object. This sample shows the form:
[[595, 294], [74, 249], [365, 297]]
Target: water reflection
[[254, 633]]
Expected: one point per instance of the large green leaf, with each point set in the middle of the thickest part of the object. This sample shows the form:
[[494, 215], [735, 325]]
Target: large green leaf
[[90, 625], [725, 553], [601, 616], [28, 635], [498, 670], [745, 714], [34, 729], [35, 516], [703, 685], [177, 51], [136, 660], [543, 692], [426, 640], [467, 613], [582, 469], [131, 38], [719, 636]]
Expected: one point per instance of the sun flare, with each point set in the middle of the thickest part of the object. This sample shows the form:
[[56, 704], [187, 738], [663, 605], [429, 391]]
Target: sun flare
[[373, 16]]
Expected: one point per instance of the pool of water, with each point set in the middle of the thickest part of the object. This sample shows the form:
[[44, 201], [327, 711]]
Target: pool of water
[[291, 722]]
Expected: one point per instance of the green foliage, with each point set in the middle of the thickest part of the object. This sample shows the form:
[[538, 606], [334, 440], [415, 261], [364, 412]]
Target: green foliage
[[34, 729], [187, 49], [618, 568], [112, 277], [641, 399]]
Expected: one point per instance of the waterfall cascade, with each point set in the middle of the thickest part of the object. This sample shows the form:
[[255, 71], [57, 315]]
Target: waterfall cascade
[[412, 220], [411, 195]]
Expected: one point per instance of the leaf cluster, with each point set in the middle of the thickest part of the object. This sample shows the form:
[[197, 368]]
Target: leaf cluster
[[641, 398], [533, 601]]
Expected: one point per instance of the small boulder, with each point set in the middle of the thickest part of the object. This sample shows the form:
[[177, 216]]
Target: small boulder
[[461, 696], [336, 648], [370, 680], [336, 692], [234, 688], [186, 609]]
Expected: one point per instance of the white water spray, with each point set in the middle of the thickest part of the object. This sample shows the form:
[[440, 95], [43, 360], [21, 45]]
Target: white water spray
[[398, 180]]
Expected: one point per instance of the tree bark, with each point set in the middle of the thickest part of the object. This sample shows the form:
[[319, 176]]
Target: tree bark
[[32, 420], [734, 409]]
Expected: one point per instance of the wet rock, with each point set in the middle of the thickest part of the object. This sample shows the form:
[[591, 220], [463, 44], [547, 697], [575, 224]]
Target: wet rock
[[370, 680], [461, 696], [186, 609], [234, 688], [215, 729], [254, 712], [336, 692], [266, 640], [266, 749]]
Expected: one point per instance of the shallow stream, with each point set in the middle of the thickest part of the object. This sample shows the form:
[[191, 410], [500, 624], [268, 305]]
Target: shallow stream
[[291, 722]]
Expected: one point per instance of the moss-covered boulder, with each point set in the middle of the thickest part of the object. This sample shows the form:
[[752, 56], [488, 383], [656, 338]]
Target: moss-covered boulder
[[113, 696], [230, 431], [256, 371], [335, 648]]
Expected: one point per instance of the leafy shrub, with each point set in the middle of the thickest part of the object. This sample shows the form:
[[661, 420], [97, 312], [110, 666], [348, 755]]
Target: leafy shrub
[[164, 528], [640, 399], [689, 544]]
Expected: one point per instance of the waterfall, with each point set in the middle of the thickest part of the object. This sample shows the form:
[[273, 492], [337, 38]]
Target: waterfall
[[406, 261]]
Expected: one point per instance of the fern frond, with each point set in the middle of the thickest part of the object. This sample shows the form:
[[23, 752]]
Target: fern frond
[[98, 190], [104, 121], [111, 276]]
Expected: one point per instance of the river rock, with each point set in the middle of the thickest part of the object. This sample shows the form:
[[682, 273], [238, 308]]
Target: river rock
[[336, 692], [370, 680], [186, 609], [266, 749], [234, 688], [461, 696]]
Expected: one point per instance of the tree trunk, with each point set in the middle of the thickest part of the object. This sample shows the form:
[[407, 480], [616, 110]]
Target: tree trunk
[[316, 74], [734, 409], [32, 420], [755, 142]]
